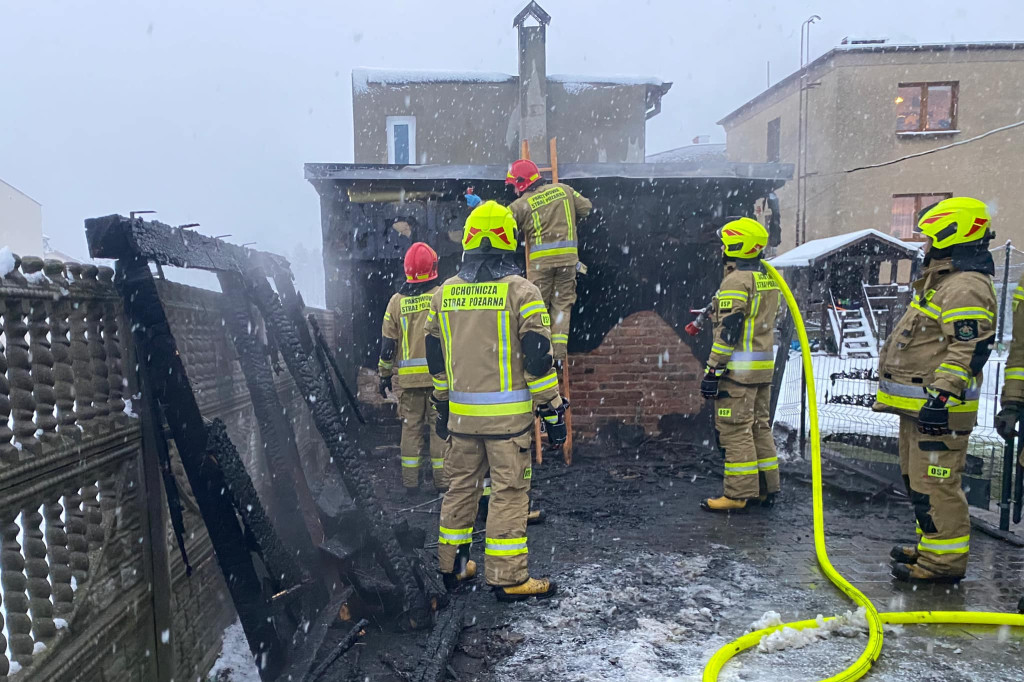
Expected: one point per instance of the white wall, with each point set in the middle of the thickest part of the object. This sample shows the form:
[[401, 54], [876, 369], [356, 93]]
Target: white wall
[[21, 222]]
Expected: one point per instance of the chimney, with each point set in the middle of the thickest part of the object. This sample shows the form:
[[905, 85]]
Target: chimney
[[533, 82]]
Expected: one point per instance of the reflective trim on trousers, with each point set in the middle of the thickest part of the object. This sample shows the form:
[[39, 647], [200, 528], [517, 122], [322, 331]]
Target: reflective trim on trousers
[[487, 486], [740, 468], [960, 545], [455, 536], [411, 462], [505, 546], [438, 462], [768, 463], [1015, 373]]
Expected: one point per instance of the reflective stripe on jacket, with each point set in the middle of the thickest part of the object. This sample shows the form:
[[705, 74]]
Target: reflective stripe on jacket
[[940, 344], [547, 216], [743, 311], [1013, 376], [404, 320], [480, 326]]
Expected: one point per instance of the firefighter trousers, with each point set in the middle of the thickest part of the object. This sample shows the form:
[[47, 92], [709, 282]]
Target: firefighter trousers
[[932, 467], [505, 551], [558, 289], [743, 422], [416, 415]]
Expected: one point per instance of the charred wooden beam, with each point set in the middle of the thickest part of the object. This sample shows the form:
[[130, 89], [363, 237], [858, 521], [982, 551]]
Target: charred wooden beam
[[433, 665], [165, 375], [293, 506], [221, 454], [340, 648], [325, 349], [115, 236], [311, 380]]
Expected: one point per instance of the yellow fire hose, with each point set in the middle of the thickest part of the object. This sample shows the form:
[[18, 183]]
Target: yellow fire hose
[[862, 665]]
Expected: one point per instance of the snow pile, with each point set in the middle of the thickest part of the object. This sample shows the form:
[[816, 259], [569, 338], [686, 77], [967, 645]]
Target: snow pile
[[7, 263], [850, 624], [362, 77], [128, 410], [37, 278], [768, 620], [235, 663]]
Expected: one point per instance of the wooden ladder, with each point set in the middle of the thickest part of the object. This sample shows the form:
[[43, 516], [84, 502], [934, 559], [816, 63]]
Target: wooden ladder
[[567, 447]]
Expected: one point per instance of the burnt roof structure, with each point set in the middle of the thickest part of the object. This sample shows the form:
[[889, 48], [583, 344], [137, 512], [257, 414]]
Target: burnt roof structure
[[649, 244]]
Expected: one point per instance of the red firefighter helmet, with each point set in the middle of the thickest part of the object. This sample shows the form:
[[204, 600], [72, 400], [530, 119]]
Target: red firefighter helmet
[[522, 174], [420, 263]]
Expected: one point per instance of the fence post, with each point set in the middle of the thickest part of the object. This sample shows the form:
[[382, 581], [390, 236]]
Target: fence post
[[1006, 289]]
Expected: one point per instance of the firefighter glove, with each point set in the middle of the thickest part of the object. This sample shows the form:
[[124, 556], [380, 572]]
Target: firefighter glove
[[385, 386], [934, 416], [441, 419], [1006, 420], [554, 423], [709, 384]]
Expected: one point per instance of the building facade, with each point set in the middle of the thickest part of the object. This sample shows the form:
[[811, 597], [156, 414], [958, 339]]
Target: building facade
[[874, 103], [437, 117], [21, 222]]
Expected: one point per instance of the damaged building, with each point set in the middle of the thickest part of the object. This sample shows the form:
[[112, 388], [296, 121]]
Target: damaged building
[[649, 245]]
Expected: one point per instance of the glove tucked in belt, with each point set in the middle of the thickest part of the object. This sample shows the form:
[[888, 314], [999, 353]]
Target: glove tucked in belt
[[933, 419]]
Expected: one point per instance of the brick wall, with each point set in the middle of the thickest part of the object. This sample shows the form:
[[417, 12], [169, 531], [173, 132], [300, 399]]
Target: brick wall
[[640, 372]]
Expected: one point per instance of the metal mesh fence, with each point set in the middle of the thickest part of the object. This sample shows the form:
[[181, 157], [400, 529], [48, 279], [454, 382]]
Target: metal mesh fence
[[850, 429]]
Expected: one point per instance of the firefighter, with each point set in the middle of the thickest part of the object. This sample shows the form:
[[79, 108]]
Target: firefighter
[[547, 213], [738, 376], [402, 348], [488, 345], [930, 375], [1012, 399]]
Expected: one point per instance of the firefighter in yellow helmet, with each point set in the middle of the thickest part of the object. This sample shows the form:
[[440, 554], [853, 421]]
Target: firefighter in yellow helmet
[[401, 349], [738, 376], [930, 375], [489, 351]]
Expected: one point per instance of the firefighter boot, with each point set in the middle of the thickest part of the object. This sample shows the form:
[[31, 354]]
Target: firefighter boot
[[533, 587], [534, 517], [723, 504], [767, 500], [465, 570], [912, 573], [904, 554]]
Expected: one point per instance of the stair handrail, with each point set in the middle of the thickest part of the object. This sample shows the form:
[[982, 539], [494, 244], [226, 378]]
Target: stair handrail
[[836, 321], [871, 313]]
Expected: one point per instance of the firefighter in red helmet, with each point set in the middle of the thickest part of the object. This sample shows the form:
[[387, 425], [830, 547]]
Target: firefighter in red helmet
[[403, 352], [547, 214]]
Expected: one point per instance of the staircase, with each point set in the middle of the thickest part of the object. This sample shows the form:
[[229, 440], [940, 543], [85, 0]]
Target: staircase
[[885, 304], [853, 331]]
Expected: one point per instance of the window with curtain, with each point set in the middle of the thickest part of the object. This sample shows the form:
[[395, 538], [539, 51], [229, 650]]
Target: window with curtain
[[926, 107], [905, 208]]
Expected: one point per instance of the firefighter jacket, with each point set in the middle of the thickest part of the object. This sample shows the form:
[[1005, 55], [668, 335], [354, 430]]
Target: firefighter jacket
[[403, 321], [940, 344], [486, 375], [1013, 384], [546, 216], [743, 311]]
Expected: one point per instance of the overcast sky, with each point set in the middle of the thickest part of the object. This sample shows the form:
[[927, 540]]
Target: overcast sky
[[205, 110]]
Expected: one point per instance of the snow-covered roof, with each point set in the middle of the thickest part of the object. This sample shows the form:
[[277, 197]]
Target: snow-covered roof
[[362, 77], [813, 251], [691, 152]]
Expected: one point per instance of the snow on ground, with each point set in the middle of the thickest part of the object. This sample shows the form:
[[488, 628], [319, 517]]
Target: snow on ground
[[235, 663], [661, 620]]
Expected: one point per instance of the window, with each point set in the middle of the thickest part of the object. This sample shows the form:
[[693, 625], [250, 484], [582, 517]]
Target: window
[[401, 139], [905, 208], [774, 139], [926, 107]]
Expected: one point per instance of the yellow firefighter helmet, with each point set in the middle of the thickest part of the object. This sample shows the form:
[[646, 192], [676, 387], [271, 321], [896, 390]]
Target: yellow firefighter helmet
[[743, 238], [493, 222], [959, 220]]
